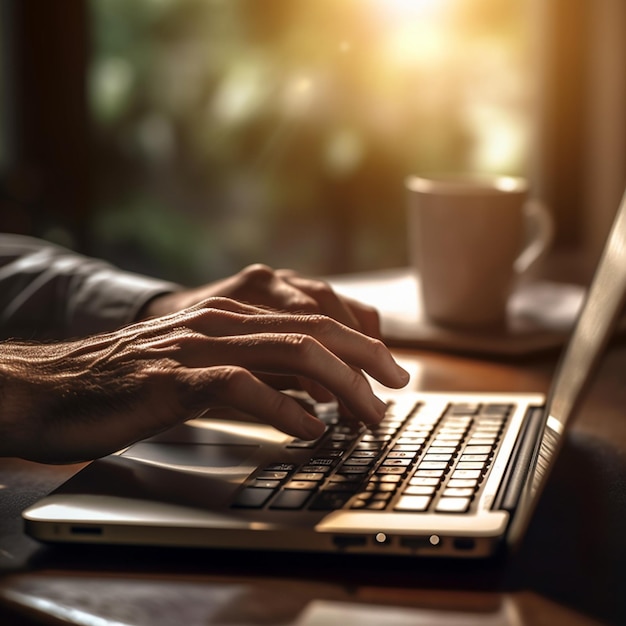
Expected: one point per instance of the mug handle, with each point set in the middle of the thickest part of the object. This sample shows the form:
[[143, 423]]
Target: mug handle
[[540, 233]]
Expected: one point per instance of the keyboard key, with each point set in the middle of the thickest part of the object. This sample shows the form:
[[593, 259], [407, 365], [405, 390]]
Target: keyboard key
[[390, 470], [488, 428], [301, 484], [280, 467], [472, 449], [369, 445], [456, 492], [470, 465], [386, 478], [463, 408], [466, 474], [354, 469], [411, 441], [447, 442], [397, 462], [265, 484], [449, 437], [376, 505], [462, 483], [437, 457], [383, 430], [315, 476], [419, 490], [381, 487], [332, 453], [418, 433], [252, 498], [322, 469], [441, 450], [453, 505], [418, 480], [474, 457], [497, 409], [364, 461], [429, 473], [368, 498], [376, 438], [343, 486], [401, 454], [330, 501], [430, 465], [322, 461], [271, 475], [291, 499], [412, 503]]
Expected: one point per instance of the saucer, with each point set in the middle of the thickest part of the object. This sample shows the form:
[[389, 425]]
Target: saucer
[[540, 315]]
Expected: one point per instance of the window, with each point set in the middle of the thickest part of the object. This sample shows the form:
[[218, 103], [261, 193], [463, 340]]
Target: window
[[234, 131]]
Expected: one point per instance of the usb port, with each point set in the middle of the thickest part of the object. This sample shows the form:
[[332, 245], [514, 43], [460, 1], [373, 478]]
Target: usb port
[[86, 530]]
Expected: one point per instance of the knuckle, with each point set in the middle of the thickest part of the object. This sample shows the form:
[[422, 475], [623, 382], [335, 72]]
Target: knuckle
[[229, 379], [214, 302], [258, 273], [320, 289], [303, 345], [377, 348], [306, 304], [323, 324]]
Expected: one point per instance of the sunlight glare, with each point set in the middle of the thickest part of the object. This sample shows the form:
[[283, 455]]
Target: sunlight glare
[[298, 94], [406, 9]]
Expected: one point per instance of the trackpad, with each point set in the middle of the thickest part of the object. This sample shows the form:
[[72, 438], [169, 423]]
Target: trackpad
[[198, 457]]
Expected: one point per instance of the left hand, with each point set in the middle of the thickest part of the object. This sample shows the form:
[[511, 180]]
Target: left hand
[[281, 290]]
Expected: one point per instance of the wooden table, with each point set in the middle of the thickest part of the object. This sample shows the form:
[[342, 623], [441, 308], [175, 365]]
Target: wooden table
[[570, 570]]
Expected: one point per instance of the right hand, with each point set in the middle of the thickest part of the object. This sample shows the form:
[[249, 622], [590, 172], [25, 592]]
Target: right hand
[[82, 399]]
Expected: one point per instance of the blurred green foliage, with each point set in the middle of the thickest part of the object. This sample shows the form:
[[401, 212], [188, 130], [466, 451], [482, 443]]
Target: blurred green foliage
[[236, 131]]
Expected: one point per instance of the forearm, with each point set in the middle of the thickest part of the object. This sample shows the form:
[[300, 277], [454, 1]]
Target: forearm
[[14, 394], [52, 293], [56, 398]]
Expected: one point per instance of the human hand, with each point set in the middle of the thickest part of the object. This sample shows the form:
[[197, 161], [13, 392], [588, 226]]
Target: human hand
[[281, 290], [83, 399]]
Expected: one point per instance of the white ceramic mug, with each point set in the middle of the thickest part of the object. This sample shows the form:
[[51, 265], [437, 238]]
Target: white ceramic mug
[[471, 238]]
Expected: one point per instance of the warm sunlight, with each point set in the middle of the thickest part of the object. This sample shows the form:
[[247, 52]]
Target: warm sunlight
[[407, 9]]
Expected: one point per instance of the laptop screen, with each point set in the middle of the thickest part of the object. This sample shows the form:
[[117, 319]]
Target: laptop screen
[[597, 319]]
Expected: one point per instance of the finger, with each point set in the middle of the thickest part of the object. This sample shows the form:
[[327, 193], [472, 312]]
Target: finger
[[367, 316], [353, 347], [327, 300], [298, 354], [316, 391], [238, 388]]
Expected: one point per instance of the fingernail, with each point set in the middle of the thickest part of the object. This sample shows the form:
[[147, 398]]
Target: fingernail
[[403, 375]]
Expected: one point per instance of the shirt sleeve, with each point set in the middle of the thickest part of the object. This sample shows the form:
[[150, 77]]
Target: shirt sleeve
[[49, 292]]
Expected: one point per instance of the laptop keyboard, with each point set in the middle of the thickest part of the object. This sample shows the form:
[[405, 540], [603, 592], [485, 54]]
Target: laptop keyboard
[[415, 460]]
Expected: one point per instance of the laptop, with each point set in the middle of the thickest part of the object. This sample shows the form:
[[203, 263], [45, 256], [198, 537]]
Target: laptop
[[444, 475]]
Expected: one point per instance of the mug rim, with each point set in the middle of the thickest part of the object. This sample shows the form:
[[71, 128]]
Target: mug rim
[[468, 183]]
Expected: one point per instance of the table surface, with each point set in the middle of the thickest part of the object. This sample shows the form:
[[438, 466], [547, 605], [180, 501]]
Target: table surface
[[570, 569]]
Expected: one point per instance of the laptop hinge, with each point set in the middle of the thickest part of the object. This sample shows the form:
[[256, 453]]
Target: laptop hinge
[[517, 469]]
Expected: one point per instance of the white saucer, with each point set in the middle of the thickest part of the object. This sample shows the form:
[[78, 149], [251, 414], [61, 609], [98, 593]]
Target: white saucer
[[540, 315]]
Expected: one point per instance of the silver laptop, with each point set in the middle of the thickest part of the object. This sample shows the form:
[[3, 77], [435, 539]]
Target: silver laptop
[[443, 475]]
